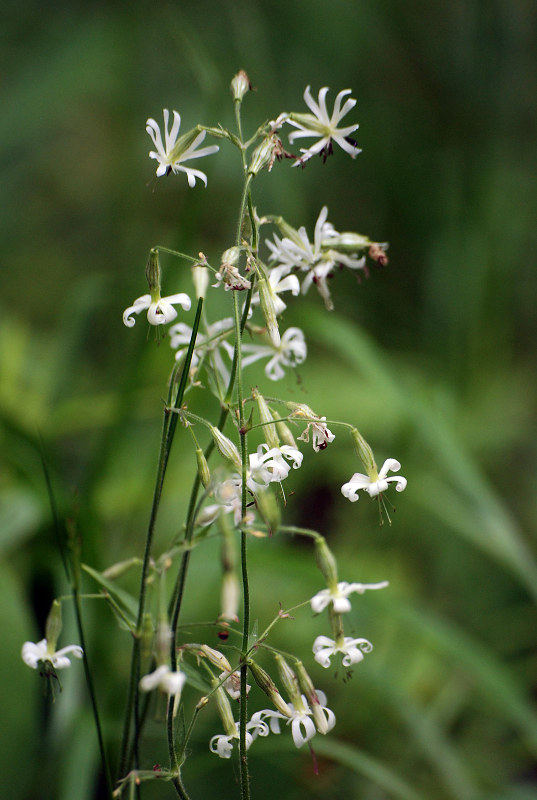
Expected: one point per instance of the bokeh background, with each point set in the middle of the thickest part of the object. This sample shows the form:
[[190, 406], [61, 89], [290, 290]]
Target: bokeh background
[[431, 357]]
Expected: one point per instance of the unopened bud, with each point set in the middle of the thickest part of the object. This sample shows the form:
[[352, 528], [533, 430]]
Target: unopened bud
[[152, 272], [346, 242], [119, 569], [215, 657], [268, 306], [53, 626], [226, 447], [326, 561], [224, 709], [203, 468], [240, 85], [265, 682], [268, 507], [267, 419], [200, 279], [229, 597], [289, 681], [284, 432]]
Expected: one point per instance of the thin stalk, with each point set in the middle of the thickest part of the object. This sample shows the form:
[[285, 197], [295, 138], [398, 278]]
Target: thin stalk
[[168, 430], [72, 573]]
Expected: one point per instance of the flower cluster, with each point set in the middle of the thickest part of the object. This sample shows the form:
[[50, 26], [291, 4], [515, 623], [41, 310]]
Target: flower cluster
[[242, 476]]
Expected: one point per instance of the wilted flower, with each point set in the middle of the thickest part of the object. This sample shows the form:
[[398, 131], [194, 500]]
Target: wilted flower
[[301, 721]]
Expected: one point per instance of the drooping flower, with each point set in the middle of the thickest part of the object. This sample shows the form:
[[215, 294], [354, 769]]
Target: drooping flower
[[301, 720], [160, 310], [376, 483], [339, 596], [352, 649], [291, 352], [171, 683], [322, 126], [174, 152], [33, 653], [222, 744], [265, 466]]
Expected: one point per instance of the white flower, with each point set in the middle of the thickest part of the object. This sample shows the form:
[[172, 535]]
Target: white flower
[[208, 345], [222, 745], [317, 260], [296, 250], [320, 125], [302, 725], [321, 436], [279, 281], [374, 484], [171, 156], [32, 653], [232, 684], [291, 351], [265, 466], [171, 683], [353, 650], [339, 596], [160, 310]]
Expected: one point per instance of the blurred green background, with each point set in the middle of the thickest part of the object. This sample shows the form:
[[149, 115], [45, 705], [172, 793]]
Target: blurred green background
[[432, 358]]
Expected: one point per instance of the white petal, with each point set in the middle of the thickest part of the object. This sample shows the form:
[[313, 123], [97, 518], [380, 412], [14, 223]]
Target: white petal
[[32, 652]]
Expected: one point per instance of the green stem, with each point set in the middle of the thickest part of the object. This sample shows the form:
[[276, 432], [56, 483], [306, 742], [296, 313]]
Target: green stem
[[168, 430]]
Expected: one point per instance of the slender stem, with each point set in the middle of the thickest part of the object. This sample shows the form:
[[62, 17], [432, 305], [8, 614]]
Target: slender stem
[[72, 573], [168, 430]]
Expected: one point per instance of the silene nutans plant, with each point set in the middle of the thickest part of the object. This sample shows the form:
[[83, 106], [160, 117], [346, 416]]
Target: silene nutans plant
[[245, 458]]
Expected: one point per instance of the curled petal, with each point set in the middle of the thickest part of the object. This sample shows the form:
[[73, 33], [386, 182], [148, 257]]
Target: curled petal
[[32, 653], [140, 304], [302, 729]]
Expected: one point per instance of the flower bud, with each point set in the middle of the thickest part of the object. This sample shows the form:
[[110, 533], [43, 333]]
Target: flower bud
[[326, 561], [284, 432], [53, 625], [346, 242], [215, 657], [152, 272], [119, 569], [267, 685], [224, 709], [231, 256], [289, 681], [267, 418], [226, 447], [203, 468], [200, 279], [268, 507], [365, 453], [240, 85], [229, 598], [268, 307]]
